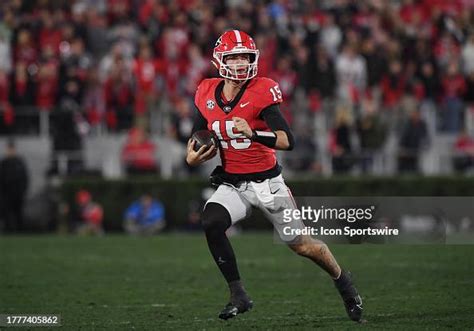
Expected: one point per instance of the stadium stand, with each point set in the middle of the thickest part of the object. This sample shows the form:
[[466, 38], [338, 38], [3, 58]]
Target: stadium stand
[[101, 67]]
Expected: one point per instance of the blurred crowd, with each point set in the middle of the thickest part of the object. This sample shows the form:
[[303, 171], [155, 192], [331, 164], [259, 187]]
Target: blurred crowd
[[353, 70]]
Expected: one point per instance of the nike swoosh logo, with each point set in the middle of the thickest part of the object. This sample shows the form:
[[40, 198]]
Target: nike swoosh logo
[[274, 191], [242, 105]]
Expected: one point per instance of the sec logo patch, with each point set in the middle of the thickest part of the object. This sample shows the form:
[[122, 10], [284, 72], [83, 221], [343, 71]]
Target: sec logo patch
[[210, 104]]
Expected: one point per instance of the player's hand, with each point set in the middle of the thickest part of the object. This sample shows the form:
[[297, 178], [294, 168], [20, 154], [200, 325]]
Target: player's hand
[[242, 126], [194, 158]]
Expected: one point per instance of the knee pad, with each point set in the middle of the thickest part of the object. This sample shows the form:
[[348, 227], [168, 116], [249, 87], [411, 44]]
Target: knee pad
[[215, 218]]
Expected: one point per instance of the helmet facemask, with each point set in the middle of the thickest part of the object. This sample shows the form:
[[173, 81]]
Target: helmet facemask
[[233, 71]]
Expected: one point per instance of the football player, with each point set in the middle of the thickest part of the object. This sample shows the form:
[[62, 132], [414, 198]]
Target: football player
[[242, 110]]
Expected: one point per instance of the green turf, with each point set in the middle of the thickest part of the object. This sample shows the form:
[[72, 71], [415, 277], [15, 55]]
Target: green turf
[[170, 282]]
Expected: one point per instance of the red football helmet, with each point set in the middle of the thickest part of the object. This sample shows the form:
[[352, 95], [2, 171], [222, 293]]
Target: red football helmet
[[234, 42]]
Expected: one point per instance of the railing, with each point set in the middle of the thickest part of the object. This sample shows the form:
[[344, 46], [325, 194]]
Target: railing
[[435, 160], [32, 121]]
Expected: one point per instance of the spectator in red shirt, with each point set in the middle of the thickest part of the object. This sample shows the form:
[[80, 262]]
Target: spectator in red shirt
[[6, 110], [172, 48], [174, 41], [118, 9], [452, 7], [411, 12], [47, 80], [88, 214], [119, 95], [4, 87], [463, 158], [145, 72], [49, 34], [393, 85], [196, 68], [268, 49], [454, 84], [138, 154], [286, 76]]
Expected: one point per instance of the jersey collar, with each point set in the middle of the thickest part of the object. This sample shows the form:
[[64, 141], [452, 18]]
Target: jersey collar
[[227, 107]]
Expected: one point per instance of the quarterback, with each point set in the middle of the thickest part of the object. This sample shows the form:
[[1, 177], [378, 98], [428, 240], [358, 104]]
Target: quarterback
[[242, 110]]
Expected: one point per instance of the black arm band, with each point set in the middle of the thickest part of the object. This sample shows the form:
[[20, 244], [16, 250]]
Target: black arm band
[[267, 138], [275, 121]]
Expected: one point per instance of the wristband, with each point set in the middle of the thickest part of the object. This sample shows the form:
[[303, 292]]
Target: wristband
[[267, 138]]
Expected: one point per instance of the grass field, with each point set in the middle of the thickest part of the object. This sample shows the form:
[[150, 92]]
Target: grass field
[[170, 282]]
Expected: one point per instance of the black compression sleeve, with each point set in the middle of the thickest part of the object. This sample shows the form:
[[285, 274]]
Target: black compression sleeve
[[275, 121], [267, 138], [199, 122]]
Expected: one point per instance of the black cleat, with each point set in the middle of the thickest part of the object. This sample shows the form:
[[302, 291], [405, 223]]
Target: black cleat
[[350, 296], [238, 306]]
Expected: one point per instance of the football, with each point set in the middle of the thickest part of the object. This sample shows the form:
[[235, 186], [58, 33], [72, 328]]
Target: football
[[204, 137]]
